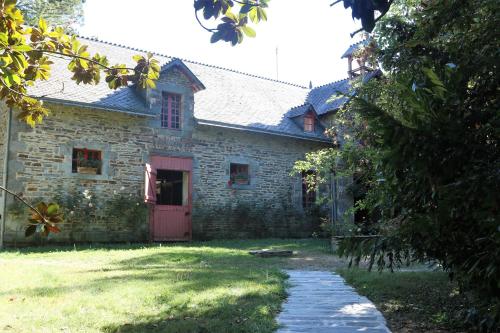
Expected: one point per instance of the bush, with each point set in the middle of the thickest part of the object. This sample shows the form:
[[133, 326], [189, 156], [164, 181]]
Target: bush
[[243, 219]]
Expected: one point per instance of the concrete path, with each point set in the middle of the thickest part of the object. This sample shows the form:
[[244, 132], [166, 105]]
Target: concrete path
[[321, 302]]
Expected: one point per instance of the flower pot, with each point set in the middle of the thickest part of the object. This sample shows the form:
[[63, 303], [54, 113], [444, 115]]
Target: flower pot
[[87, 170], [241, 181]]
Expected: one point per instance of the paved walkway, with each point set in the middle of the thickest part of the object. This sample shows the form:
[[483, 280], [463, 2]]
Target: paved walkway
[[321, 302]]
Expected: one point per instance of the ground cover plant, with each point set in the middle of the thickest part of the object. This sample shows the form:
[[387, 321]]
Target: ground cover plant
[[423, 301], [195, 287]]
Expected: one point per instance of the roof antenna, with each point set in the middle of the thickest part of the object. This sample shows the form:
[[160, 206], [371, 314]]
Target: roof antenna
[[310, 84], [277, 72]]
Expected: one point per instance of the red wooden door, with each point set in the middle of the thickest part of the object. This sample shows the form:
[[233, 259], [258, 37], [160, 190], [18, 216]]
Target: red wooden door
[[168, 191]]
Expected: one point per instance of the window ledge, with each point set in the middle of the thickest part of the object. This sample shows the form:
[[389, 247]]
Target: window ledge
[[89, 176], [240, 187]]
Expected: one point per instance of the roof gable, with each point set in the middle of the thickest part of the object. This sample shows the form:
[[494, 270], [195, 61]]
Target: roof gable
[[197, 85], [321, 97], [354, 47]]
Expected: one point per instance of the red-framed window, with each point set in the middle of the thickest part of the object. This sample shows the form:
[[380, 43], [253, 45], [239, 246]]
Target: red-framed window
[[239, 174], [171, 111], [309, 122], [86, 161], [308, 189]]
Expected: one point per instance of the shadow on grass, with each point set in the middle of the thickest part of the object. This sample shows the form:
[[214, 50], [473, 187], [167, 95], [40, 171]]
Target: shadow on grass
[[212, 268], [252, 313], [196, 289], [421, 301], [310, 244]]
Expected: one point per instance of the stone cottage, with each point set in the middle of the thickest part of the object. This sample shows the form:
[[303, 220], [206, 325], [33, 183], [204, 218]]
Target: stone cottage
[[209, 149]]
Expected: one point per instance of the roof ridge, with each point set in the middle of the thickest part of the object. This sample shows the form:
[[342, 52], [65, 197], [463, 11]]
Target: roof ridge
[[299, 106], [95, 39], [330, 83], [361, 41]]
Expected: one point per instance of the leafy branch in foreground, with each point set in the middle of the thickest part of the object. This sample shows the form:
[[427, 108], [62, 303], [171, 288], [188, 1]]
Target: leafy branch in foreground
[[25, 57], [44, 218], [234, 16]]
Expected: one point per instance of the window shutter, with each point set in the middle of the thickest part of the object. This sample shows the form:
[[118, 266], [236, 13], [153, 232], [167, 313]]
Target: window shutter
[[150, 185]]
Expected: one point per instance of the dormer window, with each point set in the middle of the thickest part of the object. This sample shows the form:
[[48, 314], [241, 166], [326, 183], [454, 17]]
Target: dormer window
[[309, 122], [171, 111]]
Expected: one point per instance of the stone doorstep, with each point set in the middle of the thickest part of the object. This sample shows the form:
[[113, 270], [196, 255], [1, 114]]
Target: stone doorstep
[[271, 253]]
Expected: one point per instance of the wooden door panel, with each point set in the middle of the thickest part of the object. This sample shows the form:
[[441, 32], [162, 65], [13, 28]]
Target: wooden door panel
[[170, 222]]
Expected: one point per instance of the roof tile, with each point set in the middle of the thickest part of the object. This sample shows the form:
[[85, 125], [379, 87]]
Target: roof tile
[[230, 97]]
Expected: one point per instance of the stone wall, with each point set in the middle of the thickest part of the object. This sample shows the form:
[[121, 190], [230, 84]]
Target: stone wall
[[273, 198], [40, 165]]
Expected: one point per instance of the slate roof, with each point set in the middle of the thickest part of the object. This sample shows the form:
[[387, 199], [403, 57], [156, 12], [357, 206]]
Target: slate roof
[[322, 97], [299, 110], [231, 98]]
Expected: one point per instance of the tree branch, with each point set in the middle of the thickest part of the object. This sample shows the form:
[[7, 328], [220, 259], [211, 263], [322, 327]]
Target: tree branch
[[376, 20], [201, 24], [83, 58], [18, 197], [248, 3]]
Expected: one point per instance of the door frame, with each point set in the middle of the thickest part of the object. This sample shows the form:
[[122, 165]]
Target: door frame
[[184, 164]]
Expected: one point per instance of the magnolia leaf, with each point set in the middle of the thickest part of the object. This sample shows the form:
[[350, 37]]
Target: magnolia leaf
[[231, 16], [137, 58], [42, 24], [52, 209], [248, 31], [52, 228], [246, 8], [22, 48], [30, 230]]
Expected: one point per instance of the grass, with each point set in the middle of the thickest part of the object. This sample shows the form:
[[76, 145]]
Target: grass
[[412, 301], [195, 287]]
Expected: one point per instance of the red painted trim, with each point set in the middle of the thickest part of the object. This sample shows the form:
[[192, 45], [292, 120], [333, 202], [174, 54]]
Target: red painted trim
[[176, 164]]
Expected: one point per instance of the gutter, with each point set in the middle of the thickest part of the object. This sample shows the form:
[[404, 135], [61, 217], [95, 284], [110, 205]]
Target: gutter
[[5, 177], [257, 130], [97, 107]]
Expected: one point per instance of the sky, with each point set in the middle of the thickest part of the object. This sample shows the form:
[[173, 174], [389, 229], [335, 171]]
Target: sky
[[310, 38]]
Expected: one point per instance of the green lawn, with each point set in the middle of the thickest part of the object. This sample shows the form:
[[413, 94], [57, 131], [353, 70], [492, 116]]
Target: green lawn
[[195, 287], [412, 301]]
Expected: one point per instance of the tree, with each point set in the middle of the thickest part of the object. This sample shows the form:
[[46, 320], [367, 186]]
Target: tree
[[25, 59], [63, 13], [430, 146], [233, 16]]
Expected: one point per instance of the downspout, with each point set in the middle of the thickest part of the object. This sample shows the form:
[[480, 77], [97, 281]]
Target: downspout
[[5, 177]]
